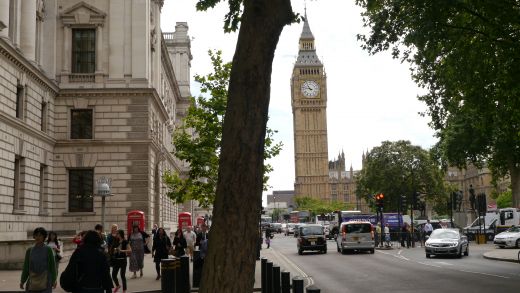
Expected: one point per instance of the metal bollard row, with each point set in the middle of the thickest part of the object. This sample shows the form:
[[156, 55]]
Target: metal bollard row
[[175, 275], [275, 281]]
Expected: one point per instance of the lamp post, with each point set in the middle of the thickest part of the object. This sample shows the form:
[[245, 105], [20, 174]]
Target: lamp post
[[103, 190], [274, 209]]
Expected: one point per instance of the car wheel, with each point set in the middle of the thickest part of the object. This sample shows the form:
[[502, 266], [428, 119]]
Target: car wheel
[[300, 252], [372, 251], [428, 255], [466, 253], [343, 251], [518, 243], [325, 251], [501, 246], [459, 254]]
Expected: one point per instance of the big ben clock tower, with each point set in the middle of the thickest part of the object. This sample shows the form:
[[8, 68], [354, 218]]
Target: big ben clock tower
[[309, 107]]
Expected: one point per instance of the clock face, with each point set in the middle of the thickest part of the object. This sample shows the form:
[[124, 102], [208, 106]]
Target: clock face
[[310, 89]]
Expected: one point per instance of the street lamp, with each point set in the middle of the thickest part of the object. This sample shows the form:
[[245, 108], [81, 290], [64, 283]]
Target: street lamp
[[103, 190]]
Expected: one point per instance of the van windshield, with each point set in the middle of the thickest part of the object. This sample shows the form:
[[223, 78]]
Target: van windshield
[[312, 230], [357, 228]]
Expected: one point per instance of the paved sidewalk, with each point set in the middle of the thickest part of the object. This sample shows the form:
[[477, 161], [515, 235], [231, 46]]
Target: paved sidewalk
[[504, 254], [10, 279]]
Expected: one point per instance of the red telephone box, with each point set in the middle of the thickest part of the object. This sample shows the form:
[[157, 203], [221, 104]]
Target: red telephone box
[[184, 220], [135, 218], [200, 221]]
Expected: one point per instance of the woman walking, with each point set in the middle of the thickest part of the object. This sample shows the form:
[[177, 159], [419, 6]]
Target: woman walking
[[179, 242], [160, 248], [39, 267], [120, 250], [137, 242], [54, 243]]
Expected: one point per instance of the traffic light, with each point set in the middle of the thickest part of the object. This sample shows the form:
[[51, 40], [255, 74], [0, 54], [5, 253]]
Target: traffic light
[[415, 198], [404, 203], [380, 200]]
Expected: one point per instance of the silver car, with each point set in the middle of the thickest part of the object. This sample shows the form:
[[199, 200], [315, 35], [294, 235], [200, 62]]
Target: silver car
[[446, 242], [508, 238]]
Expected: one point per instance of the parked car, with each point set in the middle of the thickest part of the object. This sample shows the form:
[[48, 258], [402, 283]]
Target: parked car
[[355, 235], [447, 241], [289, 229], [276, 227], [508, 238], [311, 237]]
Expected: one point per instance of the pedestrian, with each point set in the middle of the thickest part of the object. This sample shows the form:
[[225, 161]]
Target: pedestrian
[[160, 248], [120, 250], [387, 235], [428, 228], [90, 260], [179, 243], [154, 230], [378, 235], [191, 238], [53, 242], [268, 237], [137, 242], [78, 239], [405, 235], [99, 228], [110, 238], [39, 267], [202, 244]]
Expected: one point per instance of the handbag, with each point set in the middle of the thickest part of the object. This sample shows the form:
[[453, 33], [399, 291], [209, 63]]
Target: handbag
[[69, 277], [38, 281]]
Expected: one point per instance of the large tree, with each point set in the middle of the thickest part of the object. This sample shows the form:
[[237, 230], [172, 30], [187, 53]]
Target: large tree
[[230, 263], [467, 54], [198, 140], [400, 168]]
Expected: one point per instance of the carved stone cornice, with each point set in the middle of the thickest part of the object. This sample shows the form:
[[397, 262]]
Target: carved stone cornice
[[29, 68], [73, 16], [168, 70]]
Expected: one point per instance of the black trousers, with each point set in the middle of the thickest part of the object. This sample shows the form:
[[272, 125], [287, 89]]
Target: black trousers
[[119, 265]]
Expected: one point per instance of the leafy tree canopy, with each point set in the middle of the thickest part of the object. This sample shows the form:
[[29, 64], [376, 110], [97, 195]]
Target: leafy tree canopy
[[318, 206], [505, 200], [467, 54], [198, 140], [400, 168]]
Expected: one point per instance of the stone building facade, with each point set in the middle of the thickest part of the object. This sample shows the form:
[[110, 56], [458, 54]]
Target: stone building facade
[[88, 89]]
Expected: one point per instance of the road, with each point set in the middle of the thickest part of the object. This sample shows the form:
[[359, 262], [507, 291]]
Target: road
[[401, 270]]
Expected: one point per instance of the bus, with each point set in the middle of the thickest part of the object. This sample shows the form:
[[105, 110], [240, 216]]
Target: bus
[[300, 216], [265, 221]]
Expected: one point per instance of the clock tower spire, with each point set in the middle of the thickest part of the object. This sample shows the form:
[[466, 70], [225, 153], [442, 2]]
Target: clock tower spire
[[309, 107]]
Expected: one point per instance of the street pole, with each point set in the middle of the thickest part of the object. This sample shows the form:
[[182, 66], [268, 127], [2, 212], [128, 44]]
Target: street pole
[[103, 211]]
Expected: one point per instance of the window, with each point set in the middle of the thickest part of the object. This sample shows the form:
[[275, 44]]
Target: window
[[81, 124], [81, 188], [18, 190], [43, 118], [83, 50], [20, 99], [43, 189]]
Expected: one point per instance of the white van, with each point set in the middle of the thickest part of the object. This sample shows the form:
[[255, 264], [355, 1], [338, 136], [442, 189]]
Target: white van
[[355, 235]]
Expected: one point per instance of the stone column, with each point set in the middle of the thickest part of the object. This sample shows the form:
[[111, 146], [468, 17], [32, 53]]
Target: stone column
[[66, 54], [99, 53], [28, 29], [4, 17]]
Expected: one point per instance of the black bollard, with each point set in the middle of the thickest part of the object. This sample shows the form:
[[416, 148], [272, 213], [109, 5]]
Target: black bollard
[[312, 289], [297, 285], [184, 275], [269, 277], [286, 282], [197, 268], [168, 271], [276, 279], [262, 272]]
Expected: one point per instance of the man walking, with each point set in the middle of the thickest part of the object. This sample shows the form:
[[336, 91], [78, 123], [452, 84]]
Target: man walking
[[428, 228], [191, 238]]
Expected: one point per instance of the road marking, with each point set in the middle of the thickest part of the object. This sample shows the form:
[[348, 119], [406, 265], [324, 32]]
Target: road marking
[[444, 263], [288, 261], [485, 274], [429, 264]]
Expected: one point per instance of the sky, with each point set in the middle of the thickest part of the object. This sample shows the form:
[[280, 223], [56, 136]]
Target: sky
[[371, 98]]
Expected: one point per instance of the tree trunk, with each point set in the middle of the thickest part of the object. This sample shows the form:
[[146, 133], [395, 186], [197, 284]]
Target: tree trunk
[[230, 263], [515, 185]]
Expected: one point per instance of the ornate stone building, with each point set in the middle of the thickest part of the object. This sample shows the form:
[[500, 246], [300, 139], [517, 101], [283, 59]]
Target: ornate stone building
[[87, 89]]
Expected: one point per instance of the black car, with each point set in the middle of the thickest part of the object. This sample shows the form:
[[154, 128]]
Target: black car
[[311, 237]]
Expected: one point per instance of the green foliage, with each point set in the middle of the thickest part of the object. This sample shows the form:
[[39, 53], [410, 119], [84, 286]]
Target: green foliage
[[198, 140], [505, 199], [400, 168], [319, 206], [466, 53]]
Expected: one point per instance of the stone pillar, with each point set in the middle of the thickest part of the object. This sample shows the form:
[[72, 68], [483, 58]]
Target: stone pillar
[[28, 29], [4, 17], [66, 54], [99, 55]]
